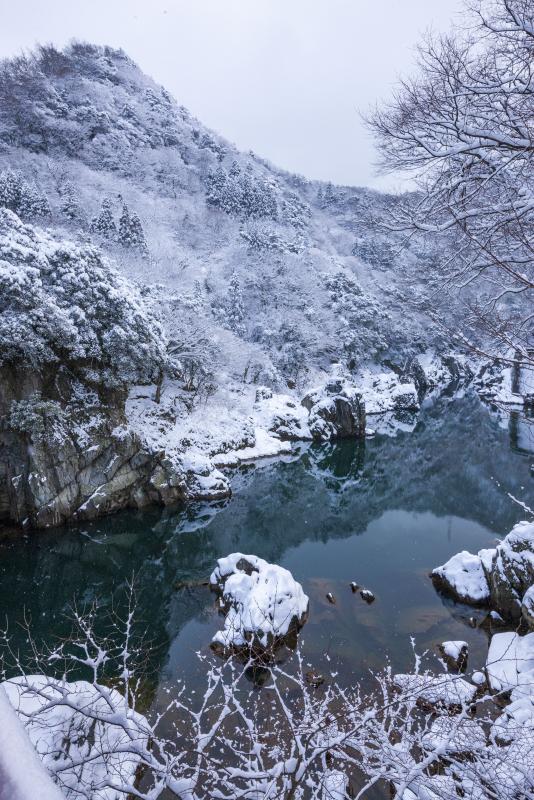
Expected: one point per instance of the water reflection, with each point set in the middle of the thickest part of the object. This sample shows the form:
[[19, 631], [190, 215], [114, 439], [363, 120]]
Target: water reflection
[[382, 512]]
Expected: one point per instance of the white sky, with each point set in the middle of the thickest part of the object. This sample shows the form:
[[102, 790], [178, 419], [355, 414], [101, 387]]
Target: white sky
[[284, 78]]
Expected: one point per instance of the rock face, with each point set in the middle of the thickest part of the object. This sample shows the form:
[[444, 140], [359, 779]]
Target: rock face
[[527, 607], [499, 578], [336, 413], [78, 459], [264, 606]]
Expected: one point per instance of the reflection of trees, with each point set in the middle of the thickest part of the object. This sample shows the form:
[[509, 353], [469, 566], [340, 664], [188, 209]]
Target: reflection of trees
[[522, 431], [445, 466]]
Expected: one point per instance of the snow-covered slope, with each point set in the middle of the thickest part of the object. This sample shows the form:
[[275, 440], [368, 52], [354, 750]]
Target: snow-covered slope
[[143, 255]]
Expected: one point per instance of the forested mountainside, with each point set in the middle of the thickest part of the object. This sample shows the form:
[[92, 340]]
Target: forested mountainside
[[138, 247]]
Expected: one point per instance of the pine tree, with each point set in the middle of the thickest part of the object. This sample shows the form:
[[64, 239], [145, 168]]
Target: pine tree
[[235, 170], [70, 207], [131, 232], [216, 186], [23, 198], [235, 308], [10, 188], [103, 223], [329, 197], [32, 202], [125, 227]]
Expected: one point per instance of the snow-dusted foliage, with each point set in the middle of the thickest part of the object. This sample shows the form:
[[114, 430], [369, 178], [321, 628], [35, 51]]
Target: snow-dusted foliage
[[64, 303], [123, 165]]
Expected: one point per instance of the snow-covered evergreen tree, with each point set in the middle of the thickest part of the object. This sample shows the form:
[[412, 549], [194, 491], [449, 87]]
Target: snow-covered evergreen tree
[[23, 198], [104, 224], [70, 206], [131, 232]]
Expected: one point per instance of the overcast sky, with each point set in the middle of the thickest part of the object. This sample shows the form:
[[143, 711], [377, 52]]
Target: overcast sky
[[284, 78]]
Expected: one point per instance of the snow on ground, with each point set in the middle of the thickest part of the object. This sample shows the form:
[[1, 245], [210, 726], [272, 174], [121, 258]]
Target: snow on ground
[[81, 751], [263, 602], [21, 770]]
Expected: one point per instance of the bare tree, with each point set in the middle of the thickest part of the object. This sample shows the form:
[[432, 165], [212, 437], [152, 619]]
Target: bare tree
[[302, 737], [464, 129]]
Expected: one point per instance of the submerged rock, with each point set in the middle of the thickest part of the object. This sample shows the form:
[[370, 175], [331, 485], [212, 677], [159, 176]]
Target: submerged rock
[[264, 606]]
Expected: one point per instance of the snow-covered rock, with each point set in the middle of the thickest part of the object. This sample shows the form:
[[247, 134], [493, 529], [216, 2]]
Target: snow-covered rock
[[455, 654], [263, 604], [436, 690], [58, 719], [385, 391], [336, 412], [527, 607], [499, 577], [510, 661], [464, 577]]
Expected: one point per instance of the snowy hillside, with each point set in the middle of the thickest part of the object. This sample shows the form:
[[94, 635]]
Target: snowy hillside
[[142, 254]]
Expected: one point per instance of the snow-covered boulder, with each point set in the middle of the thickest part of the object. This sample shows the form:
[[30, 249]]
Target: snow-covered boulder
[[510, 662], [263, 604], [498, 577], [86, 733], [455, 654], [464, 577], [386, 391], [512, 570], [441, 691], [335, 412], [282, 415], [405, 398]]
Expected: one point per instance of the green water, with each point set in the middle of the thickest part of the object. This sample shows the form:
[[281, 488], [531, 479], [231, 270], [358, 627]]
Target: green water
[[382, 513]]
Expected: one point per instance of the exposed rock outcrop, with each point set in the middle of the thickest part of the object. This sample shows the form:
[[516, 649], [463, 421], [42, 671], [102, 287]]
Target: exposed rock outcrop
[[78, 459], [336, 413], [499, 577]]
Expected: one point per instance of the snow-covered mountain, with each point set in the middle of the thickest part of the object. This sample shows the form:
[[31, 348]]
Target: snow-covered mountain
[[139, 248]]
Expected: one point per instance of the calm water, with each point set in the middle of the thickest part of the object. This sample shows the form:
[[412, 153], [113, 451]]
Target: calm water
[[382, 513]]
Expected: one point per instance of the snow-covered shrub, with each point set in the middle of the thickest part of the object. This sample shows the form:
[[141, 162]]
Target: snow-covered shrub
[[241, 194], [231, 311], [64, 303], [415, 734], [40, 419], [266, 237], [70, 206]]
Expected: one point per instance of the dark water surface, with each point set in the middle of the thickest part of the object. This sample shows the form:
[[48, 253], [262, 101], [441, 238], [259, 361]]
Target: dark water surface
[[382, 513]]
